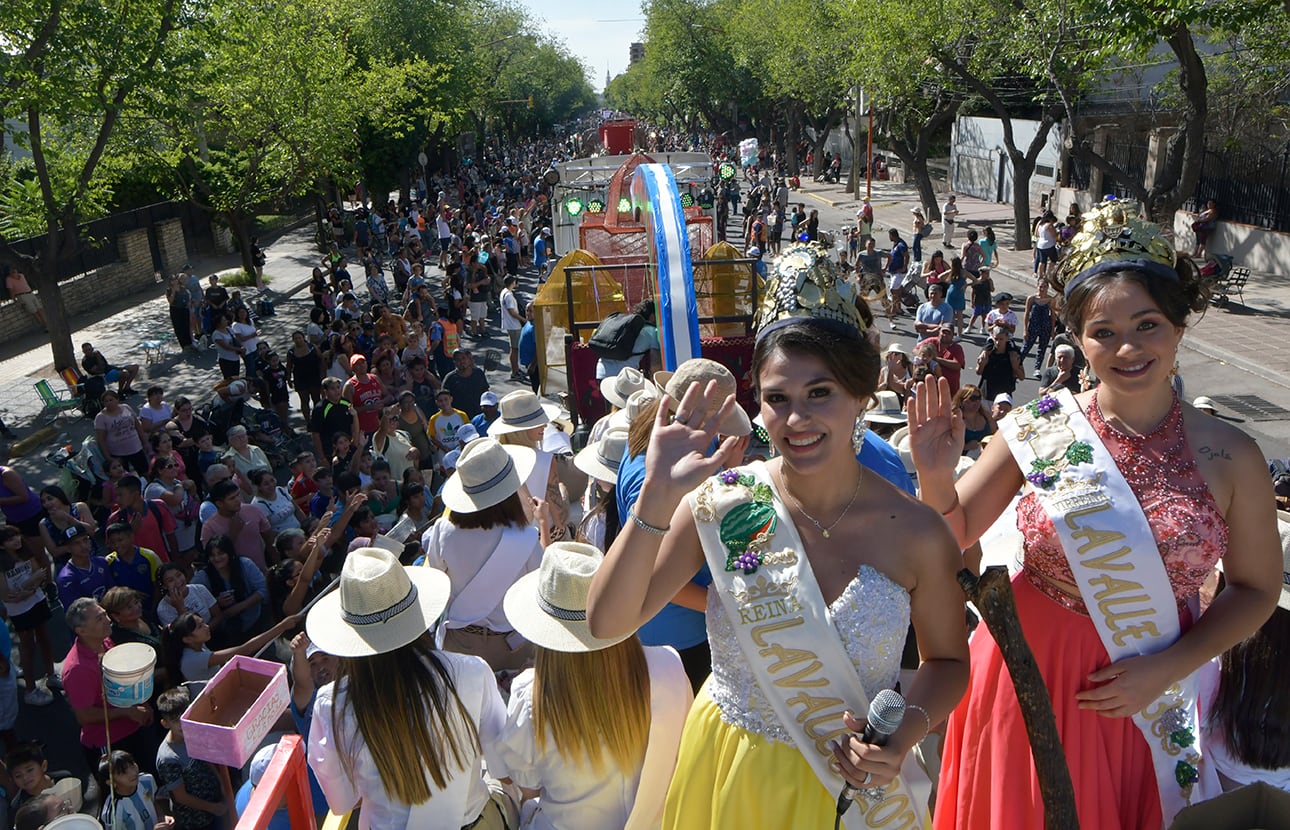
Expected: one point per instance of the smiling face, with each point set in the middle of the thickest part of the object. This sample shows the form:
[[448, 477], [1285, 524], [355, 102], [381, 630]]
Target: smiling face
[[1128, 342], [809, 416]]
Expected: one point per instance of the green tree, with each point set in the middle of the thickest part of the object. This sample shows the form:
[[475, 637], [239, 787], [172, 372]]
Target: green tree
[[274, 107], [71, 72]]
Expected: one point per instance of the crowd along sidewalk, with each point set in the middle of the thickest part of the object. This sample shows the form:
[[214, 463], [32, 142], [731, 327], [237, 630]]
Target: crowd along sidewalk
[[1253, 335]]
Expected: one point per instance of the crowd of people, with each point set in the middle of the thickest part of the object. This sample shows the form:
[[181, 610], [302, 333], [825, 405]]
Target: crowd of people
[[674, 626]]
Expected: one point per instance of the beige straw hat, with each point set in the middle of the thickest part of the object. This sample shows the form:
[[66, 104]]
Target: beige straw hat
[[636, 402], [620, 387], [521, 410], [380, 605], [549, 606], [600, 459], [488, 472], [700, 370]]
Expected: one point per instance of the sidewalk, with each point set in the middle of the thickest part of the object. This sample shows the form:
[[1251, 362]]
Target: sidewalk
[[1253, 336]]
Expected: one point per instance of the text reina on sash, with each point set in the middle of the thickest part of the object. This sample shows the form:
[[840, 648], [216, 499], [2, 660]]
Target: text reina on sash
[[1118, 600]]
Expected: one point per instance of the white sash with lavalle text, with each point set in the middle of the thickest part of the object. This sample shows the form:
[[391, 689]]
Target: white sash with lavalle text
[[1120, 574], [787, 636]]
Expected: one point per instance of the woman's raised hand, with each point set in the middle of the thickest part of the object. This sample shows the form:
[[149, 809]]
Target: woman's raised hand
[[677, 457], [936, 428]]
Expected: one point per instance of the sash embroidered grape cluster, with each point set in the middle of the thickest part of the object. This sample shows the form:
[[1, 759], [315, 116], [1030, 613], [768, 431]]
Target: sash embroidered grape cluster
[[1044, 472]]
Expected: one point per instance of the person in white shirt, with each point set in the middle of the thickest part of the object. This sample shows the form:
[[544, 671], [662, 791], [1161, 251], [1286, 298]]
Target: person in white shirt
[[949, 216], [156, 412], [512, 323], [404, 728], [594, 727]]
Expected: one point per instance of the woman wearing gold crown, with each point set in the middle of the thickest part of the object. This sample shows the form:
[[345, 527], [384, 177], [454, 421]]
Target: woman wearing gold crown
[[818, 568], [1130, 498]]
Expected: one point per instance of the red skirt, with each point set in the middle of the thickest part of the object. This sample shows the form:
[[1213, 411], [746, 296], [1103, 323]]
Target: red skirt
[[987, 772]]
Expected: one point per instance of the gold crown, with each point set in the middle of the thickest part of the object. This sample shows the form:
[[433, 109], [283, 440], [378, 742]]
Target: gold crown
[[803, 286], [763, 588], [1113, 237]]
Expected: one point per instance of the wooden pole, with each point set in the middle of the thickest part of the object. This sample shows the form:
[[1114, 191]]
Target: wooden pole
[[868, 162], [991, 593]]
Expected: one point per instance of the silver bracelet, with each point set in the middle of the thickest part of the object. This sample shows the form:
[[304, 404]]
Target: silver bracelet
[[926, 717], [645, 526]]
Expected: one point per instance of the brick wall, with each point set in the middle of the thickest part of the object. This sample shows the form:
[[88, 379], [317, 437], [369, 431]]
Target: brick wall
[[131, 274]]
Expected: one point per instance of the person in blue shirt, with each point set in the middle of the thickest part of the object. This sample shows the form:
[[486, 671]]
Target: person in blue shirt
[[540, 251], [934, 313], [897, 266], [528, 347]]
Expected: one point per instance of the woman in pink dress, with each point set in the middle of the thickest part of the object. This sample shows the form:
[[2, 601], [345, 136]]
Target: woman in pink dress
[[1203, 487]]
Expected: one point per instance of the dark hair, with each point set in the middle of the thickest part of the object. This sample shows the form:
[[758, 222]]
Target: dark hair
[[407, 491], [57, 492], [380, 465], [26, 752], [279, 590], [224, 489], [258, 474], [117, 764], [236, 580], [172, 650], [32, 814], [509, 512], [173, 702], [348, 481], [1254, 696], [130, 482], [848, 355], [155, 388], [118, 527], [168, 568], [1177, 299]]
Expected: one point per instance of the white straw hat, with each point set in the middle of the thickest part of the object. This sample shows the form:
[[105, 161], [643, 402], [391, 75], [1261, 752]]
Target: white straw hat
[[886, 409], [380, 605], [600, 459], [1205, 402], [521, 410], [896, 348], [488, 472], [549, 606], [619, 388], [635, 404], [700, 370]]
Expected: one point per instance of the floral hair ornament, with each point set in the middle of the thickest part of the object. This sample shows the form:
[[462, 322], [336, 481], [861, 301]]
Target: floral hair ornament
[[803, 287], [1113, 238]]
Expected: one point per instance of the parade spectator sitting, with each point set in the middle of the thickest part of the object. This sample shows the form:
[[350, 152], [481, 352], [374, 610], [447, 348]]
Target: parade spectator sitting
[[19, 290], [95, 363], [1062, 375]]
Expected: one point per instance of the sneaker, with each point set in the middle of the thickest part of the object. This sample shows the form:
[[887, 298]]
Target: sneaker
[[54, 682], [1038, 374], [892, 325], [38, 697]]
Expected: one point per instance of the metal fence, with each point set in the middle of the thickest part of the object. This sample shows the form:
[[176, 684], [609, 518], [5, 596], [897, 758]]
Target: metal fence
[[100, 236], [1250, 189], [1078, 173], [1132, 159]]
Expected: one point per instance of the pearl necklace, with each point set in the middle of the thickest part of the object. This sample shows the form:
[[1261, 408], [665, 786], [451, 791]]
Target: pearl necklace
[[824, 531]]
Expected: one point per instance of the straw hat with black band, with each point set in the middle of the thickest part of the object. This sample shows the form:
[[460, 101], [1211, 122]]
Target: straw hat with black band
[[488, 472], [886, 409], [380, 605], [549, 606], [520, 411], [702, 371]]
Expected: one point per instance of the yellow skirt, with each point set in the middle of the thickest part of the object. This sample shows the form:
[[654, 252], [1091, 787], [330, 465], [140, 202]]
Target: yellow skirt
[[728, 777]]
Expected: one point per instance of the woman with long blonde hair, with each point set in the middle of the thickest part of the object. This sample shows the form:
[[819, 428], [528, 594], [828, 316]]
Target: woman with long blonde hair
[[594, 726], [405, 727]]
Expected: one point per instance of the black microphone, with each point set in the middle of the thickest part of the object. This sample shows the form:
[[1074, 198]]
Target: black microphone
[[886, 711]]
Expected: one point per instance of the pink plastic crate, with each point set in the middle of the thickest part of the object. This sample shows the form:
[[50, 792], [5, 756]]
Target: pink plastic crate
[[238, 707]]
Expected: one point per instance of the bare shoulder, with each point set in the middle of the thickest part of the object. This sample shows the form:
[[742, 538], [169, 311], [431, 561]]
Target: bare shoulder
[[923, 529], [1227, 457]]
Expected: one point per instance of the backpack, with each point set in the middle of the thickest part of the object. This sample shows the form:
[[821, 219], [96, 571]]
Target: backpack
[[614, 338]]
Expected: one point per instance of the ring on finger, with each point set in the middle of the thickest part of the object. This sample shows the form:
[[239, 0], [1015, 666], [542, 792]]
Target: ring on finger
[[868, 776], [680, 419]]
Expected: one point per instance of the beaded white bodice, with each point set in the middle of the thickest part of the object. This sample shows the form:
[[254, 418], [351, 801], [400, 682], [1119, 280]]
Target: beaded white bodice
[[872, 618]]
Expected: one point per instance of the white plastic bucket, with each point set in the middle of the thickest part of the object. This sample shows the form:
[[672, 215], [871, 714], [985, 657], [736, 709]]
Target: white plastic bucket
[[127, 674]]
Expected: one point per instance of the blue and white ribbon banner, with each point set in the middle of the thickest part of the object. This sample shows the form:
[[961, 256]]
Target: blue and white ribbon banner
[[654, 192]]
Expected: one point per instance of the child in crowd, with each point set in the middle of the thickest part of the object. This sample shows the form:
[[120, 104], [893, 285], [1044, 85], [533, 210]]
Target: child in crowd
[[302, 485], [30, 772], [188, 657], [344, 455], [132, 566], [206, 455], [132, 804], [443, 425], [323, 494], [22, 581], [193, 788]]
